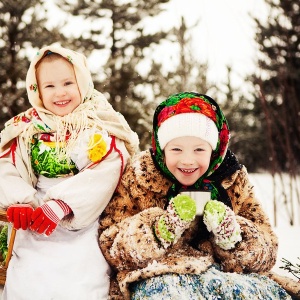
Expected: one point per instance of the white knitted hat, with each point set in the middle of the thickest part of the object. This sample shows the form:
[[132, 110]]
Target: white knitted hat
[[188, 124]]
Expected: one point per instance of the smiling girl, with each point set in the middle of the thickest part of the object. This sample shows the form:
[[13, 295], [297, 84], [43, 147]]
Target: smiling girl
[[57, 84], [151, 237], [60, 163]]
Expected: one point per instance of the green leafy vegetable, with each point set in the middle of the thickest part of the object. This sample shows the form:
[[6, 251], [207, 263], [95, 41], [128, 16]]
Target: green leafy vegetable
[[3, 241]]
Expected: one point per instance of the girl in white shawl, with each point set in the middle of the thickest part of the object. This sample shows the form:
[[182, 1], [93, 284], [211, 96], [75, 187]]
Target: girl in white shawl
[[60, 162]]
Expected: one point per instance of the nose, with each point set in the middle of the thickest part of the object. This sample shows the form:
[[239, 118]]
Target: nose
[[60, 91], [187, 160]]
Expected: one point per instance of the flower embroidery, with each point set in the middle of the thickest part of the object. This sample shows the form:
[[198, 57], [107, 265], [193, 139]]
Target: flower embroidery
[[188, 105], [37, 121], [20, 118], [48, 158], [33, 87], [70, 59], [97, 147], [224, 139], [43, 147]]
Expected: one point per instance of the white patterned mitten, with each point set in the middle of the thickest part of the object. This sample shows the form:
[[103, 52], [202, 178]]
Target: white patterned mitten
[[169, 227], [221, 221]]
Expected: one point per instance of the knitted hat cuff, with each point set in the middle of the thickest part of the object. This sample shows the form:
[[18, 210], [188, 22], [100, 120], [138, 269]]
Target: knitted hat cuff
[[188, 124]]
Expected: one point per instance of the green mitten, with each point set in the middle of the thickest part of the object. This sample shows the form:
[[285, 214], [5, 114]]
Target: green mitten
[[180, 212], [221, 221]]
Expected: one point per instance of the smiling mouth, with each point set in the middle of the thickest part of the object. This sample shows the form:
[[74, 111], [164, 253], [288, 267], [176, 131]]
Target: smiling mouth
[[62, 102], [188, 171]]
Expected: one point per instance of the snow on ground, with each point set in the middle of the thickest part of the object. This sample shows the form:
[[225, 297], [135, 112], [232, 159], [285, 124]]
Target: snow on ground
[[289, 247], [288, 235]]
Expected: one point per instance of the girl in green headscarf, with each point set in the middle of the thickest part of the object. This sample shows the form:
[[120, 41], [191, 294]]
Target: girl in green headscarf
[[154, 232]]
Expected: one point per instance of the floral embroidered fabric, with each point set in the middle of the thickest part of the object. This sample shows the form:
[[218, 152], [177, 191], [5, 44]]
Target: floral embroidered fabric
[[45, 159], [50, 158], [211, 285]]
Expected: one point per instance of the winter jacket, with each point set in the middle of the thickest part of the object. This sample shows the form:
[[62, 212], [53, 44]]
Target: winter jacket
[[129, 245], [83, 193]]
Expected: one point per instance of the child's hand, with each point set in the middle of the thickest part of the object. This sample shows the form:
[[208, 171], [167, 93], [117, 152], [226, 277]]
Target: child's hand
[[19, 215], [181, 211], [46, 217], [220, 219]]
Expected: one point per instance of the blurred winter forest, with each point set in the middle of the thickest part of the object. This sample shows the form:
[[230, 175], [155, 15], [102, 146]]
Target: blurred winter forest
[[264, 120]]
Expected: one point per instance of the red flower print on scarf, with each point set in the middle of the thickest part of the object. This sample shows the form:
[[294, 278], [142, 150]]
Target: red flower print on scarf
[[20, 118], [224, 138], [166, 113], [196, 105], [188, 105], [33, 87]]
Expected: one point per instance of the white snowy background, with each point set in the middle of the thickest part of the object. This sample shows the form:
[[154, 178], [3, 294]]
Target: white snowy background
[[289, 235]]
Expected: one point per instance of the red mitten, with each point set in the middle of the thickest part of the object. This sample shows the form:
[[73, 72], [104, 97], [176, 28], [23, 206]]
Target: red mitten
[[19, 215], [46, 217]]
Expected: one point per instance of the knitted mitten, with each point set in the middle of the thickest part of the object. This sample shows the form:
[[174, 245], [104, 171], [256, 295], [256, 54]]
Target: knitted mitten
[[47, 216], [20, 215], [220, 219], [180, 212]]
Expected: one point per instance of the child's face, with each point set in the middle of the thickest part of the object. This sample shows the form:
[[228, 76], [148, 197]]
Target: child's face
[[187, 158], [58, 86]]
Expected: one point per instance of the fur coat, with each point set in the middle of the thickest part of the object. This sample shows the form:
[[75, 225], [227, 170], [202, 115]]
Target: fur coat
[[128, 244]]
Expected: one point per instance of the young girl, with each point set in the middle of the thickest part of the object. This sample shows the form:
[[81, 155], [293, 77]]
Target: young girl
[[60, 163], [150, 234]]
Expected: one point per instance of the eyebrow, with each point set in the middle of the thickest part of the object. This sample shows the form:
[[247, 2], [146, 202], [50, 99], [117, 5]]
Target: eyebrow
[[65, 79], [182, 145]]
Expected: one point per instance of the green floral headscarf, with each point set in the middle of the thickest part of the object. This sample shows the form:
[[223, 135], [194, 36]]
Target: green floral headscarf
[[189, 102]]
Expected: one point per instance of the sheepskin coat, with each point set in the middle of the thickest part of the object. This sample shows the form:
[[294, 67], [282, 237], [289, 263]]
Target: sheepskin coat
[[129, 245]]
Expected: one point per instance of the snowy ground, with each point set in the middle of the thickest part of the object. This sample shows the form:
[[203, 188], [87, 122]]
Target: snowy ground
[[289, 236], [289, 247]]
